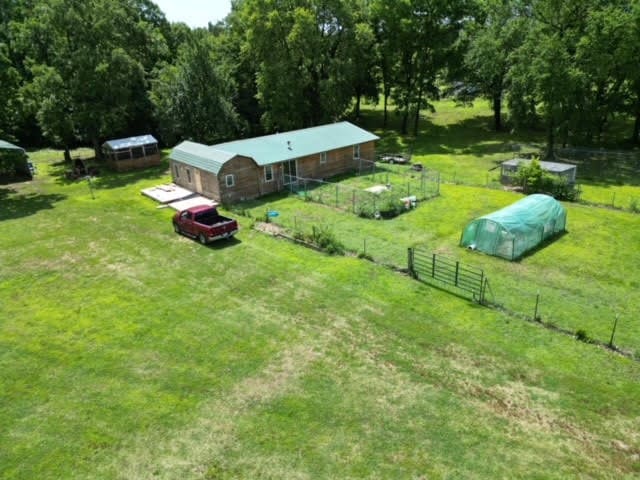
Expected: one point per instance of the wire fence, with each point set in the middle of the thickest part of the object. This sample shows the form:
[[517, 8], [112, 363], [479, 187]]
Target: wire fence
[[589, 317], [371, 247], [373, 192], [585, 312]]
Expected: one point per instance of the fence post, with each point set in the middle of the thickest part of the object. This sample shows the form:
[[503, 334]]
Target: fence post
[[457, 272], [353, 201], [484, 289], [613, 332], [535, 312], [412, 271], [433, 266]]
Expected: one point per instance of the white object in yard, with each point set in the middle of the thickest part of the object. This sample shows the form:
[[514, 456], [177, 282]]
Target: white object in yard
[[409, 202], [192, 202], [376, 189]]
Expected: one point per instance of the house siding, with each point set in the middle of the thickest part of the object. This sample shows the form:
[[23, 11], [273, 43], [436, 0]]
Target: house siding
[[199, 181], [249, 178], [338, 162]]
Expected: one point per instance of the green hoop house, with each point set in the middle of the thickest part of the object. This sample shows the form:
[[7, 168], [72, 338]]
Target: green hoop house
[[516, 229]]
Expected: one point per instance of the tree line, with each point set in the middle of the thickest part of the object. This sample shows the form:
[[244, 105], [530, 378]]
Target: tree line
[[81, 71]]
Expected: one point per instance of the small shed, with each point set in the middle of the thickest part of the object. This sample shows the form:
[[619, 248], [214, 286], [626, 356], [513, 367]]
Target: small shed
[[132, 153], [516, 229], [510, 168], [14, 162]]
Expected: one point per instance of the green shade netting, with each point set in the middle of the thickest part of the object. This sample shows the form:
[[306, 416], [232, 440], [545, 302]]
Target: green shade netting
[[513, 230]]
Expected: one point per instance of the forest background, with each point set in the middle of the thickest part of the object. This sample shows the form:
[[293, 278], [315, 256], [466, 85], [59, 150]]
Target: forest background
[[77, 72]]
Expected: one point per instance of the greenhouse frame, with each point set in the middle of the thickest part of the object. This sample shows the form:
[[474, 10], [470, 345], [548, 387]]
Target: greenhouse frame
[[514, 230]]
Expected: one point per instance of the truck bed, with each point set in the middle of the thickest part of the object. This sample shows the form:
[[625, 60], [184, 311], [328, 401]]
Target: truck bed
[[211, 219]]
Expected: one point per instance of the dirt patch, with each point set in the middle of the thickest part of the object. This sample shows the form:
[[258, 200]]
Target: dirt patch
[[269, 228]]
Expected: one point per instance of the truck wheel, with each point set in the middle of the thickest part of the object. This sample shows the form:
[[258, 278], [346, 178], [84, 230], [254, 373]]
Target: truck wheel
[[176, 228], [202, 239]]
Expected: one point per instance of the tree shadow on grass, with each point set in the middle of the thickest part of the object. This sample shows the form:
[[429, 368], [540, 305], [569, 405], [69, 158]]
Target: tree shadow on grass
[[218, 244], [16, 205], [103, 177], [471, 136], [109, 179]]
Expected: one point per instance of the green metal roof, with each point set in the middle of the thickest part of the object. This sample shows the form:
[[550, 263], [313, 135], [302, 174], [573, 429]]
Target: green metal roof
[[201, 156], [280, 147], [9, 146], [276, 148]]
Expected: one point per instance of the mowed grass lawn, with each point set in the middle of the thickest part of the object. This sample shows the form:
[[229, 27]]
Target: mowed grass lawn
[[585, 278], [129, 352]]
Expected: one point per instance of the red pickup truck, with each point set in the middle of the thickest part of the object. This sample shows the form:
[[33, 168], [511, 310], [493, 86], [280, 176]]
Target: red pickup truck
[[204, 223]]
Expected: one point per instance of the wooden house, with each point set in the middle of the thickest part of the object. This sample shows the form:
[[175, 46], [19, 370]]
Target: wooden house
[[132, 153], [244, 169]]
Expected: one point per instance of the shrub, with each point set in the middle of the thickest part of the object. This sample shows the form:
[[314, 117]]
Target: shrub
[[581, 336], [533, 179], [323, 237], [389, 205]]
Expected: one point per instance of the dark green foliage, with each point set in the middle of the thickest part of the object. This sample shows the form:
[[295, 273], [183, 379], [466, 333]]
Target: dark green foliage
[[192, 98], [325, 238], [382, 205], [13, 165], [79, 72], [534, 179], [582, 336]]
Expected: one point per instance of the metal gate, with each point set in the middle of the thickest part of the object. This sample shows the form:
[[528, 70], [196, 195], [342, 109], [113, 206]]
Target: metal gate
[[425, 267]]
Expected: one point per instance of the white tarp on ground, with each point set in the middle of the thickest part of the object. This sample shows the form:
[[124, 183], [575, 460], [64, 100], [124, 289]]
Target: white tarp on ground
[[167, 193]]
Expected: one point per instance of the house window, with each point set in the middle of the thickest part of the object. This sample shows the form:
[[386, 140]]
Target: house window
[[176, 171], [229, 180], [268, 173], [188, 175], [323, 157], [356, 151]]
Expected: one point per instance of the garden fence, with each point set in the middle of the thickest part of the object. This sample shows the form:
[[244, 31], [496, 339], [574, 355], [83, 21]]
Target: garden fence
[[351, 194]]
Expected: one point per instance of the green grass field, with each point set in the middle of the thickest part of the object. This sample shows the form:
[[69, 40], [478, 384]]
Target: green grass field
[[583, 277], [460, 143], [129, 352]]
